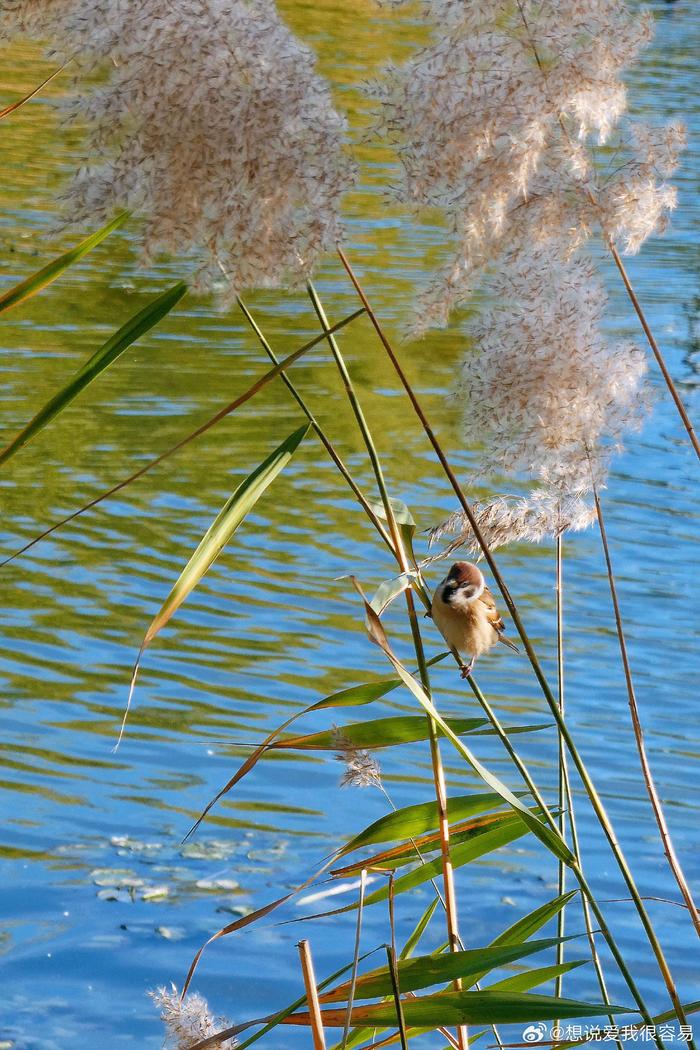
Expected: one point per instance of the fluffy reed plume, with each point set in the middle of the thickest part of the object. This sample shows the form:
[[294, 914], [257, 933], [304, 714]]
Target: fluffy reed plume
[[546, 396], [499, 123], [187, 1022], [512, 121], [507, 519], [361, 768], [212, 124], [544, 391]]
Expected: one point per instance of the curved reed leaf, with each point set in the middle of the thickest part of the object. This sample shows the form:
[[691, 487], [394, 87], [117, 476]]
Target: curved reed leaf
[[355, 696], [405, 852], [215, 539], [377, 733], [455, 1008], [426, 970], [115, 346], [534, 920], [47, 274], [477, 845], [387, 732], [523, 982], [411, 821], [416, 934]]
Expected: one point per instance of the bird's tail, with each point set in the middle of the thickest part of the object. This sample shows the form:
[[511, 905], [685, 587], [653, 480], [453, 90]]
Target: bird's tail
[[507, 641]]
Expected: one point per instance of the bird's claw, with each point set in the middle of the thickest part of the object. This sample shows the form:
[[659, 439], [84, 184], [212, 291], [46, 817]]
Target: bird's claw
[[466, 670]]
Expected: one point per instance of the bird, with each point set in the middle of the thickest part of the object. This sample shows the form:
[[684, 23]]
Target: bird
[[465, 612]]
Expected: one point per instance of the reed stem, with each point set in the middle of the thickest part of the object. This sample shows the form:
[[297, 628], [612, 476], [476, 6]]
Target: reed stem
[[318, 430], [562, 763], [405, 567], [651, 789], [316, 1021], [655, 349], [586, 780], [566, 803]]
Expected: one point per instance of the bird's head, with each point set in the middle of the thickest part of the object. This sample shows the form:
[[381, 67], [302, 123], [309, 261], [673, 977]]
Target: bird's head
[[464, 582]]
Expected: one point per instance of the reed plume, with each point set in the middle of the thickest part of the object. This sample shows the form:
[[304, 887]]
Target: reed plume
[[212, 124], [187, 1021]]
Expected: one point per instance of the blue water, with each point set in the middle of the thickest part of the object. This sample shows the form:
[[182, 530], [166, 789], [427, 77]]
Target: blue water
[[274, 626]]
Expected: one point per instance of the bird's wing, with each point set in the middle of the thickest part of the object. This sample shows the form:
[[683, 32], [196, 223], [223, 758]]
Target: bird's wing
[[492, 613], [495, 618]]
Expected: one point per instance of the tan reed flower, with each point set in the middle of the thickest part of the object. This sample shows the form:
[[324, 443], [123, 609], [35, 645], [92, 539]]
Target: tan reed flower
[[545, 394], [361, 768], [187, 1022], [511, 519], [212, 124], [499, 123]]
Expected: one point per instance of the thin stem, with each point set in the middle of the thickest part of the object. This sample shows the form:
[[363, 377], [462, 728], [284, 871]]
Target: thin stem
[[355, 958], [405, 567], [652, 792], [586, 908], [588, 784], [318, 430], [655, 349], [562, 765], [391, 958], [315, 1019], [566, 802], [286, 362]]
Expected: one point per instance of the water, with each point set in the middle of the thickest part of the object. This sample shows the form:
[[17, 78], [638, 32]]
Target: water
[[273, 628]]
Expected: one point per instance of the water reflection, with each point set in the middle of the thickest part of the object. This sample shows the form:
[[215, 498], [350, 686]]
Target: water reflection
[[274, 626]]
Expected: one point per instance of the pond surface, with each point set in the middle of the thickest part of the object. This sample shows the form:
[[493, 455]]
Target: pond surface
[[274, 627]]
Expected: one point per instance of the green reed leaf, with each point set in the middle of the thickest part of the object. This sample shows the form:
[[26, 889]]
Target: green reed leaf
[[379, 732], [405, 852], [427, 970], [115, 346], [478, 844], [236, 508], [47, 274], [414, 938], [523, 982], [534, 920], [411, 821], [215, 539], [456, 1008]]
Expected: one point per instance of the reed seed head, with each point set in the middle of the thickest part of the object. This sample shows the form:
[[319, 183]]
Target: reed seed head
[[187, 1022], [212, 125]]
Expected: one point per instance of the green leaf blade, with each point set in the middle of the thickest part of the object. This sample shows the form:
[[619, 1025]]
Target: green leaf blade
[[108, 353], [36, 282], [236, 508]]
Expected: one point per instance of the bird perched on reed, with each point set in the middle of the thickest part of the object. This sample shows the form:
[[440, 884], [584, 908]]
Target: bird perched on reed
[[465, 612]]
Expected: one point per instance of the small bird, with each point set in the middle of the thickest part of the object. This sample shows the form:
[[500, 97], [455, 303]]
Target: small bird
[[465, 612]]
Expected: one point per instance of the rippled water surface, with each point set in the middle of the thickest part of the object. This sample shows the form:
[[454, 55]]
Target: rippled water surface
[[274, 626]]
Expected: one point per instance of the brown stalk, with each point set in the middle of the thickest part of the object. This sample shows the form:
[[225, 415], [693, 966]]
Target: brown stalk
[[652, 792], [655, 349], [20, 102], [588, 784], [316, 1022], [405, 567]]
